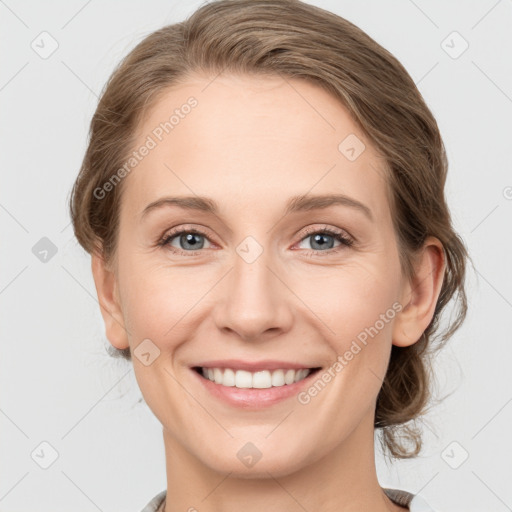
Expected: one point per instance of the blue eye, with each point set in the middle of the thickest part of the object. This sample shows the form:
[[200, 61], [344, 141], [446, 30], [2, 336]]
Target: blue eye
[[319, 239], [191, 240], [187, 238]]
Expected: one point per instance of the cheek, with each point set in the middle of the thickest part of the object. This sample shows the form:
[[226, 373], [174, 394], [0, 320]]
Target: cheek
[[357, 310], [158, 299], [348, 299]]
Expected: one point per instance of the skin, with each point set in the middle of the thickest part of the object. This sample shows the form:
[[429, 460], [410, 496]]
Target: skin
[[251, 144]]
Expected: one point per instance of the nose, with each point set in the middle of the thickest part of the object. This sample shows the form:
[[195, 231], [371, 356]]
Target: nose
[[253, 300]]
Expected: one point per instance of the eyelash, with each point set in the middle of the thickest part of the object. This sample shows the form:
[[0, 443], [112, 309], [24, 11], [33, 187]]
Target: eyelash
[[338, 235]]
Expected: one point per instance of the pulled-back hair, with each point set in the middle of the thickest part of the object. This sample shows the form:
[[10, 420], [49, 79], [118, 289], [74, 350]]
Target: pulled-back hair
[[293, 39]]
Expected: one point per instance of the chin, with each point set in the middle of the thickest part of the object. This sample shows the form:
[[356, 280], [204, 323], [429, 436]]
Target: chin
[[278, 465]]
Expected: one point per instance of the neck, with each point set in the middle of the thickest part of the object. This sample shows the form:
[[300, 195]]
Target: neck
[[342, 480]]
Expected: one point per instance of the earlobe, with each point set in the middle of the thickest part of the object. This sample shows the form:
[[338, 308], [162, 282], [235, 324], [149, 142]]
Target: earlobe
[[420, 294], [106, 288]]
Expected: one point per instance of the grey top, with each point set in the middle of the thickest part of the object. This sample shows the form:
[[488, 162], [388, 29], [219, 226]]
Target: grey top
[[404, 498]]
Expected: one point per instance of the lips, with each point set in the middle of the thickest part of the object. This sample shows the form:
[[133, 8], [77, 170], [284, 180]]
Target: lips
[[253, 385]]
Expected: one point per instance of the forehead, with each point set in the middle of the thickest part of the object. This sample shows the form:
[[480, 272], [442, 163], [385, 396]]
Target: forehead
[[253, 138]]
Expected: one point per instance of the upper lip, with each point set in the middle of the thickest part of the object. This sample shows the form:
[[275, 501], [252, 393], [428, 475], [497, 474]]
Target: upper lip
[[253, 366]]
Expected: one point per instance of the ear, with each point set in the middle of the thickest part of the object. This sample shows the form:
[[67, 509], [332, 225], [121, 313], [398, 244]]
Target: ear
[[420, 294], [106, 288]]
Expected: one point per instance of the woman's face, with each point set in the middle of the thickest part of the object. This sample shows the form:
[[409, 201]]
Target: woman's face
[[261, 282]]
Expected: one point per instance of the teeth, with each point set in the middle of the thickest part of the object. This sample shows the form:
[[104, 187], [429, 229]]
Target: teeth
[[257, 380]]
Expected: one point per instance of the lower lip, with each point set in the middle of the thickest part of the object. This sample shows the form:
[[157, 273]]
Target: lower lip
[[251, 398]]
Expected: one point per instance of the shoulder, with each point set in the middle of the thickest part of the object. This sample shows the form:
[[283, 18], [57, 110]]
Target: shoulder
[[414, 502], [155, 503]]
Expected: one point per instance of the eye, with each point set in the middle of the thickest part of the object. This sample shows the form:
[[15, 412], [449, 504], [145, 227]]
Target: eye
[[322, 240], [188, 240]]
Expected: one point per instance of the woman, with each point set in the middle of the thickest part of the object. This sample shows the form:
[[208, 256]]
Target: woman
[[225, 153]]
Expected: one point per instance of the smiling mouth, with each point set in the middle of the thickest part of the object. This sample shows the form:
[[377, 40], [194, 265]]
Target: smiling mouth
[[264, 379]]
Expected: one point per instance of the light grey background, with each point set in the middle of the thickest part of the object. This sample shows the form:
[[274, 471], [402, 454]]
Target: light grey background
[[56, 382]]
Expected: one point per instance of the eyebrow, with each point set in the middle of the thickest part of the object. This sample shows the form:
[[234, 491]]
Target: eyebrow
[[294, 204]]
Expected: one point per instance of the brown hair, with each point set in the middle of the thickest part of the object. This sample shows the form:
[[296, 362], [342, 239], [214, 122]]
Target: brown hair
[[293, 39]]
